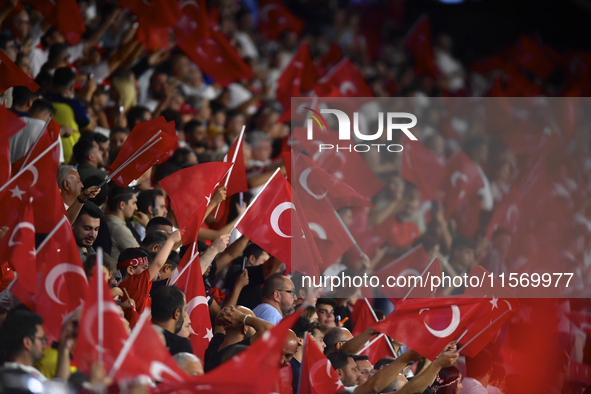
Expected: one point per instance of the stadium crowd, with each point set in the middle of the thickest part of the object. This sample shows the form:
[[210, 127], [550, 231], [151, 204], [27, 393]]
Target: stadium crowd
[[124, 68]]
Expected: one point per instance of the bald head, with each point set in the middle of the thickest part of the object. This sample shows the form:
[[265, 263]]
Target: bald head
[[189, 363], [335, 338], [289, 348]]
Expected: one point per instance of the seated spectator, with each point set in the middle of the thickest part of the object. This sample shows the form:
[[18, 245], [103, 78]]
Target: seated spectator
[[325, 308], [122, 205], [335, 338], [154, 241], [189, 363], [152, 204], [278, 299], [159, 224], [69, 183], [306, 295], [365, 369]]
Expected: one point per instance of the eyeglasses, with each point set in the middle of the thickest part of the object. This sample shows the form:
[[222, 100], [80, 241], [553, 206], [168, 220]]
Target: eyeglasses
[[291, 292], [42, 339]]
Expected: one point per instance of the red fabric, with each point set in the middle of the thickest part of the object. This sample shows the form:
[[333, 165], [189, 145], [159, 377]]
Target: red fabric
[[422, 168], [61, 281], [51, 135], [153, 38], [462, 180], [378, 348], [140, 135], [15, 11], [6, 275], [285, 236], [138, 287], [418, 43], [275, 18], [299, 76], [363, 316], [115, 334], [149, 357], [193, 20], [529, 54], [284, 383], [347, 166], [347, 78], [191, 283], [64, 15], [403, 233], [237, 177], [329, 59], [156, 13], [11, 75], [18, 249], [190, 191], [317, 375], [11, 124], [506, 214], [428, 325], [237, 375]]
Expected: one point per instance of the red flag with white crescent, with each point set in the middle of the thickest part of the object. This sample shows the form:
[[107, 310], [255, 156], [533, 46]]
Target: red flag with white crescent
[[317, 375]]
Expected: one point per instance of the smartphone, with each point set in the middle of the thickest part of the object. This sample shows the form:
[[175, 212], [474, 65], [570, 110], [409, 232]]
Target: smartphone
[[244, 264]]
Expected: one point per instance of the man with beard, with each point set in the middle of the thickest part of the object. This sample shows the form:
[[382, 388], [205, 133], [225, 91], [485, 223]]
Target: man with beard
[[169, 308], [278, 299], [86, 227], [89, 157]]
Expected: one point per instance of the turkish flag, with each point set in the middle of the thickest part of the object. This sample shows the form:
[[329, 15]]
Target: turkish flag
[[254, 370], [378, 348], [147, 356], [209, 49], [422, 168], [347, 166], [114, 333], [61, 281], [418, 43], [363, 316], [193, 20], [428, 325], [299, 76], [506, 214], [317, 375], [19, 248], [190, 282], [15, 11], [155, 13], [190, 191], [329, 59], [64, 15], [49, 136], [529, 54], [275, 18], [36, 181], [11, 124], [285, 237], [149, 141], [462, 180], [409, 265], [11, 75], [347, 78]]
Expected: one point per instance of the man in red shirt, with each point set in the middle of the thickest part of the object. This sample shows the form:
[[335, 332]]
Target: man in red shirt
[[138, 272]]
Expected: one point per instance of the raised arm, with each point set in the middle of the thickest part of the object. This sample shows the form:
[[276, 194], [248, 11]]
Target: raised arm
[[381, 379], [354, 345], [241, 281], [162, 255], [419, 383], [218, 246], [234, 250]]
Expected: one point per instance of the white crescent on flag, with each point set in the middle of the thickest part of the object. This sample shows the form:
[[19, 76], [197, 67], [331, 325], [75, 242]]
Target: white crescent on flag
[[279, 209]]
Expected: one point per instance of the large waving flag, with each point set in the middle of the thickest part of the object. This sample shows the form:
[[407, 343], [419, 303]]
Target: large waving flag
[[299, 76], [11, 75], [11, 124], [317, 375], [64, 15]]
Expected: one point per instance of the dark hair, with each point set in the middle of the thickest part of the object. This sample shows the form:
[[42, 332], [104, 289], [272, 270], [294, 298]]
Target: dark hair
[[119, 129], [95, 180], [272, 284], [63, 78], [472, 144], [479, 365], [172, 115], [47, 34], [498, 372], [441, 384], [233, 351], [301, 327], [135, 114], [43, 79], [82, 149], [22, 94], [41, 105], [326, 301], [20, 323], [147, 198], [165, 301], [190, 126], [460, 242], [216, 107], [339, 359], [180, 157], [360, 357], [173, 259], [164, 170], [132, 253], [379, 314], [4, 40], [90, 263], [100, 138], [156, 237], [117, 195], [89, 208], [157, 221], [331, 337], [383, 361]]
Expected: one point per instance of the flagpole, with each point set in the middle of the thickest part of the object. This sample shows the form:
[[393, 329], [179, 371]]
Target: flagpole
[[425, 270], [128, 161], [172, 282], [399, 259], [129, 343], [101, 303], [484, 329], [239, 141], [368, 344], [36, 142], [371, 309], [52, 233], [347, 231], [134, 156], [252, 201], [35, 160]]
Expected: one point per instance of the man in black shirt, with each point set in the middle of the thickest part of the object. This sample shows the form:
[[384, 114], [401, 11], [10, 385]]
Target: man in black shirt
[[241, 328], [169, 307]]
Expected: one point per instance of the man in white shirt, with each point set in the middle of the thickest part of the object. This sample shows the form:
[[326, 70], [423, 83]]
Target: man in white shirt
[[478, 371], [278, 299]]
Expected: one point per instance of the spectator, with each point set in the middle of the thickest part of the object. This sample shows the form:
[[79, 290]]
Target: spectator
[[326, 317], [278, 299], [478, 372], [86, 228], [448, 381], [365, 368], [152, 204], [122, 205], [189, 363], [89, 157], [169, 307]]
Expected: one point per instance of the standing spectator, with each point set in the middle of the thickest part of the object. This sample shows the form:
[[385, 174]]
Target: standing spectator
[[122, 205]]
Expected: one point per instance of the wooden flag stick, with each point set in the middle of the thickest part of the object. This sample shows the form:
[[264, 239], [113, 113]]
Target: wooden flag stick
[[253, 200], [239, 141]]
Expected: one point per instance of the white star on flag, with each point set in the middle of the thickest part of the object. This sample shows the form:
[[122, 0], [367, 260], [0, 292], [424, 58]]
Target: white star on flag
[[209, 334], [494, 302], [16, 192]]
